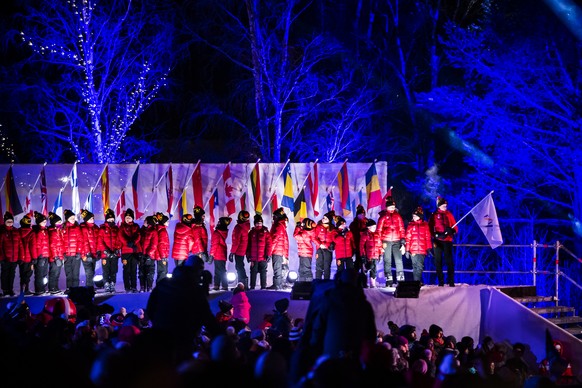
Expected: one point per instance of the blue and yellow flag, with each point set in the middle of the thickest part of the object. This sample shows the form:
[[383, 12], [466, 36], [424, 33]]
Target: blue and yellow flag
[[287, 200]]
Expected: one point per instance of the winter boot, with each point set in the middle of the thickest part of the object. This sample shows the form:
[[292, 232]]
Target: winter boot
[[372, 283], [24, 288], [112, 287], [389, 281], [400, 277]]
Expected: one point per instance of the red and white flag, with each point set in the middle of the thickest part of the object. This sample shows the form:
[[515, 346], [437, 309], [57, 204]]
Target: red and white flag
[[120, 207], [230, 205], [313, 190]]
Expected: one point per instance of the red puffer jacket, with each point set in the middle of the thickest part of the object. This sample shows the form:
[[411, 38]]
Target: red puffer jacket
[[199, 238], [72, 239], [323, 234], [305, 240], [259, 244], [280, 239], [129, 234], [149, 241], [370, 244], [40, 242], [344, 243], [108, 238], [218, 244], [56, 243], [182, 241], [418, 238], [10, 244], [240, 238], [27, 237], [391, 227], [90, 238], [439, 221], [163, 242]]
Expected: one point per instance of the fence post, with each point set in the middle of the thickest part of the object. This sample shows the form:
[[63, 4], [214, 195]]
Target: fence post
[[535, 262], [557, 275]]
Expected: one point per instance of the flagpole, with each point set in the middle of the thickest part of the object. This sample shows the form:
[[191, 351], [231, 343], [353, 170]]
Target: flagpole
[[307, 176], [247, 174], [92, 190], [215, 186], [155, 189], [185, 187], [126, 184], [469, 212], [271, 185], [37, 179]]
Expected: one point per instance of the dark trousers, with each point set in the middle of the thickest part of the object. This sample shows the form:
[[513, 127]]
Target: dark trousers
[[41, 270], [392, 250], [147, 270], [259, 267], [220, 274], [323, 258], [7, 276], [130, 262], [345, 263], [443, 251], [54, 274], [241, 273], [278, 271], [371, 267], [25, 271], [72, 270], [89, 267], [417, 267], [110, 265], [162, 269], [305, 274]]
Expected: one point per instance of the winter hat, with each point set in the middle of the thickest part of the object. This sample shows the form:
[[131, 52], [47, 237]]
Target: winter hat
[[129, 212], [360, 210], [243, 216], [258, 218], [198, 213], [187, 218], [309, 223], [339, 221], [150, 220], [282, 305], [434, 329], [295, 334], [401, 341], [441, 201], [109, 214], [370, 222], [279, 214], [8, 216], [224, 305], [39, 217], [330, 215], [86, 215], [223, 222], [25, 221], [161, 218], [418, 212], [390, 202], [68, 214], [54, 218], [406, 330]]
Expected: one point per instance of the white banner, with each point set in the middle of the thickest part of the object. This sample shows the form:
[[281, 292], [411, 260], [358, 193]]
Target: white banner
[[486, 216]]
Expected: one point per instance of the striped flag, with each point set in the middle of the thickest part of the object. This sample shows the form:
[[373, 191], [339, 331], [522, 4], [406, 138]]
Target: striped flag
[[330, 201], [256, 189], [183, 204], [170, 190], [373, 193], [43, 193], [300, 206], [58, 206], [120, 207], [135, 192], [213, 205], [89, 202], [228, 189], [243, 202], [274, 202], [197, 186], [287, 200], [27, 203], [344, 190], [10, 195], [105, 188], [388, 194], [76, 201], [313, 189]]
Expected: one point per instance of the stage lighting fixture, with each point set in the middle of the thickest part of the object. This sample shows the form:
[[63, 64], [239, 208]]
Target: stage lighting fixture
[[292, 277], [231, 277], [98, 281]]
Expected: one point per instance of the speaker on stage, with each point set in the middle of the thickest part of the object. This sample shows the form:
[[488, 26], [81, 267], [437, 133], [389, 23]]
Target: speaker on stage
[[301, 290], [82, 295], [407, 289]]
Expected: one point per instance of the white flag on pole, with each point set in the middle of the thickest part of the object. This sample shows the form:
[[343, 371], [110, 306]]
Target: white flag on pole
[[486, 216], [76, 201]]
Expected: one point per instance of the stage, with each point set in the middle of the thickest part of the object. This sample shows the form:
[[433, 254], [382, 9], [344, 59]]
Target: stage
[[476, 311]]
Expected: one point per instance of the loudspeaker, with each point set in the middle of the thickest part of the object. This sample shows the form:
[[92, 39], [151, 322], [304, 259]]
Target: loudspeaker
[[82, 295], [302, 290], [409, 289]]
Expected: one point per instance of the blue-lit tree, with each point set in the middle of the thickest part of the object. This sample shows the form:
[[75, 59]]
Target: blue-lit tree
[[95, 68]]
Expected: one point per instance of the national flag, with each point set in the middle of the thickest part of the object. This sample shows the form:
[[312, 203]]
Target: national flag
[[300, 206], [43, 194], [228, 189], [274, 202], [486, 216], [183, 204], [287, 200], [388, 194], [330, 201], [213, 205], [170, 190], [76, 201], [243, 202], [373, 192], [27, 204], [197, 187], [135, 192], [89, 202], [313, 189], [344, 190], [256, 189], [10, 195], [58, 206], [120, 206], [105, 188]]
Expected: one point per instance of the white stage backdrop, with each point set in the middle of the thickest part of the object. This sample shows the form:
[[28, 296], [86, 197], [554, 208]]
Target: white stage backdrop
[[162, 187]]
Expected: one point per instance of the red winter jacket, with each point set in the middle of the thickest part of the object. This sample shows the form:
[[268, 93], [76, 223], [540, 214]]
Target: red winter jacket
[[439, 221], [280, 238], [40, 242], [218, 244], [163, 242], [72, 239], [108, 238], [183, 241], [149, 241], [199, 238], [323, 234], [356, 227], [391, 227], [10, 244], [344, 243], [27, 236], [418, 238], [56, 243], [370, 244], [259, 244], [90, 238], [129, 234], [240, 238], [305, 240]]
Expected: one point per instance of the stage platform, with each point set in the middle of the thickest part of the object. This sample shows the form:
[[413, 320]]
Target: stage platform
[[465, 310]]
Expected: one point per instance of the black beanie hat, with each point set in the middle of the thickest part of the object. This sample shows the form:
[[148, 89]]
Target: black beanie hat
[[68, 214], [198, 213], [339, 221], [330, 215], [151, 220], [223, 223], [390, 202], [161, 218], [243, 216], [129, 212], [25, 221], [441, 201], [360, 210], [8, 216], [86, 215], [109, 214], [309, 223], [258, 218], [279, 214], [187, 218], [54, 218], [39, 217], [418, 212], [370, 222]]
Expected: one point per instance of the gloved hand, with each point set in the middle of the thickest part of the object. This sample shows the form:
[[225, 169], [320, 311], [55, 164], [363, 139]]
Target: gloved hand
[[88, 258], [364, 258], [59, 262], [210, 259], [268, 258], [449, 231], [231, 257], [331, 246], [204, 256], [407, 254]]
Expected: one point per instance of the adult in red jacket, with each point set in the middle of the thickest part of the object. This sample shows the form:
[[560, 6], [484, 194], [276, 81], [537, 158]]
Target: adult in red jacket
[[149, 248], [323, 239], [259, 248], [25, 268], [370, 248], [343, 245], [304, 235], [129, 239], [441, 228], [90, 253], [73, 248], [10, 247], [40, 253], [218, 251], [183, 239], [418, 242], [109, 245], [162, 222], [200, 235], [57, 252], [356, 227], [238, 247], [280, 252], [392, 234]]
